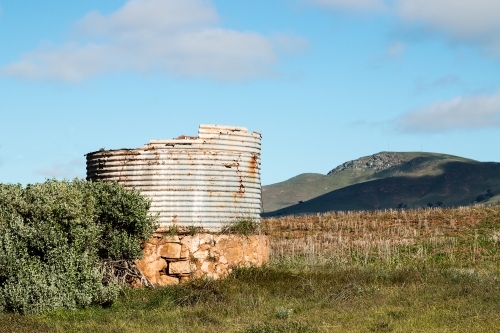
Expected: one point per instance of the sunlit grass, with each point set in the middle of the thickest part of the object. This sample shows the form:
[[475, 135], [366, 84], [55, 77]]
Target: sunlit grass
[[459, 236]]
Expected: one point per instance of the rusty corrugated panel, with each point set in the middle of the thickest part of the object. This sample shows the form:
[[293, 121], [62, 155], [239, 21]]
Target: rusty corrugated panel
[[204, 181]]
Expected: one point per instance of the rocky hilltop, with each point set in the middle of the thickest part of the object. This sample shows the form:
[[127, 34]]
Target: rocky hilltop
[[379, 161], [388, 180]]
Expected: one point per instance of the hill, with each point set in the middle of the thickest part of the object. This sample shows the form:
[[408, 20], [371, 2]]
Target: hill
[[387, 180]]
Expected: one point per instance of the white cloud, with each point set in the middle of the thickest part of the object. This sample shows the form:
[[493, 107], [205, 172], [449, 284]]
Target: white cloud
[[144, 18], [447, 80], [395, 50], [289, 43], [472, 112], [180, 37], [65, 170], [461, 20], [374, 5]]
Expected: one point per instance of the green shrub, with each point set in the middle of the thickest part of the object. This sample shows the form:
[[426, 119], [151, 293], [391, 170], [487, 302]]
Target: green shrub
[[123, 215], [52, 236]]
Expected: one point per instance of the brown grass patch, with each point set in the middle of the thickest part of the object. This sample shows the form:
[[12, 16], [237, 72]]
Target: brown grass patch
[[389, 234]]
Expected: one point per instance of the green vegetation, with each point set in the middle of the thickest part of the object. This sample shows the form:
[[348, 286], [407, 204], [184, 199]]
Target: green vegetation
[[387, 180], [433, 270], [54, 235], [242, 226]]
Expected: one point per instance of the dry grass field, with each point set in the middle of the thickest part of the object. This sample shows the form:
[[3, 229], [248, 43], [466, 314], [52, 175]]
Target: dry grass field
[[357, 238]]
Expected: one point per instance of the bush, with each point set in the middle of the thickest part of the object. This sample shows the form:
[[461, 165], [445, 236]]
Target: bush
[[53, 235]]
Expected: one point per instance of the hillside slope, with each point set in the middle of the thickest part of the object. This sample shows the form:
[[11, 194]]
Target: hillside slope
[[387, 180]]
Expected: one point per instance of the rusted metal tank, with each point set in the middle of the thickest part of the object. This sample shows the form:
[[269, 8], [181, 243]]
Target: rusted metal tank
[[205, 181]]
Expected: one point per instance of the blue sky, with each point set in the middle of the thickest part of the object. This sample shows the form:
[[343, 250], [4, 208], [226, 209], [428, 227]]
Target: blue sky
[[325, 81]]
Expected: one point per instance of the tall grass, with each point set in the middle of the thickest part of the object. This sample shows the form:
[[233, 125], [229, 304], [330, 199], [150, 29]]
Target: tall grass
[[387, 237]]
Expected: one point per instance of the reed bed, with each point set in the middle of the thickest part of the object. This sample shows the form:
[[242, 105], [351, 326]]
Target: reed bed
[[389, 236]]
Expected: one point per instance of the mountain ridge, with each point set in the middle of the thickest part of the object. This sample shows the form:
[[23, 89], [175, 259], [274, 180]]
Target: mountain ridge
[[380, 161], [404, 167]]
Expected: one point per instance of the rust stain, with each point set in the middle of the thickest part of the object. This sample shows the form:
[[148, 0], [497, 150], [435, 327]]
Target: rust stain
[[241, 189], [186, 137], [253, 165]]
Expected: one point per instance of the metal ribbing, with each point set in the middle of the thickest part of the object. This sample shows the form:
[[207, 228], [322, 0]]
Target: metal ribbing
[[204, 181]]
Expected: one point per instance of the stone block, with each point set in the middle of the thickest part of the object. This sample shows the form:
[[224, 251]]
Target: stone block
[[200, 254], [151, 269], [170, 250], [208, 267], [234, 255], [222, 260], [158, 265], [179, 267], [197, 274], [222, 270], [166, 280], [184, 251], [204, 247], [149, 253], [169, 239], [154, 240], [206, 239], [190, 243]]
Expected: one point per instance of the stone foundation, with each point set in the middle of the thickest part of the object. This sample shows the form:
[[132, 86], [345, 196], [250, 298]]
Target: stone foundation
[[173, 259]]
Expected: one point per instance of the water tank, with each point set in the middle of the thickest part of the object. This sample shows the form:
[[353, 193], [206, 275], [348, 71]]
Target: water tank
[[205, 181]]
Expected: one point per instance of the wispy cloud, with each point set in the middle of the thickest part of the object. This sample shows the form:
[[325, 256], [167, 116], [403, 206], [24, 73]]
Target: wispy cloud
[[460, 20], [395, 50], [422, 85], [372, 5], [471, 112], [179, 37], [66, 170]]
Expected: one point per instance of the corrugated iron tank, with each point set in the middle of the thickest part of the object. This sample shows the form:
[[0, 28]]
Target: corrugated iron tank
[[205, 181]]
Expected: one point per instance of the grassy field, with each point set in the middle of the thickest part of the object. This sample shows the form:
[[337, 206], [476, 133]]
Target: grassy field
[[434, 270]]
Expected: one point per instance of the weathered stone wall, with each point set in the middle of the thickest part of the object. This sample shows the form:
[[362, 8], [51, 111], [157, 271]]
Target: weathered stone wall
[[172, 259]]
